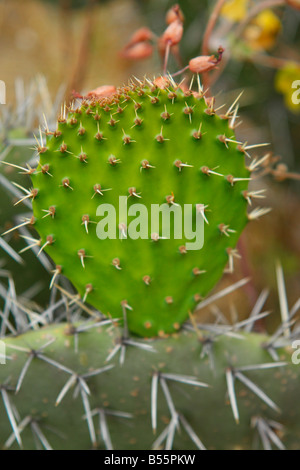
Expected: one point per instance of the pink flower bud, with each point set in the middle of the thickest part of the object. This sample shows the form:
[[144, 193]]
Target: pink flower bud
[[103, 91], [161, 82], [138, 51], [175, 13], [141, 35], [172, 34], [205, 63]]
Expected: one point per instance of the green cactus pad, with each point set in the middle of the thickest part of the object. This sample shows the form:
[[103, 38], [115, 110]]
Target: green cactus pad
[[136, 144], [148, 390]]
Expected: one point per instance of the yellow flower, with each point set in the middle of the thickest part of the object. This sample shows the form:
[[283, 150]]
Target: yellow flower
[[262, 32], [284, 80], [235, 10]]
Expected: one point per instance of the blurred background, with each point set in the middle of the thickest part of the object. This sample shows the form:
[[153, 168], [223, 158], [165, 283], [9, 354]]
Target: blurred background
[[50, 48]]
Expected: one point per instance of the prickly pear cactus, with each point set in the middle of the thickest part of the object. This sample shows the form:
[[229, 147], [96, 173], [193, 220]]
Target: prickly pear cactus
[[189, 391], [75, 383], [152, 146]]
